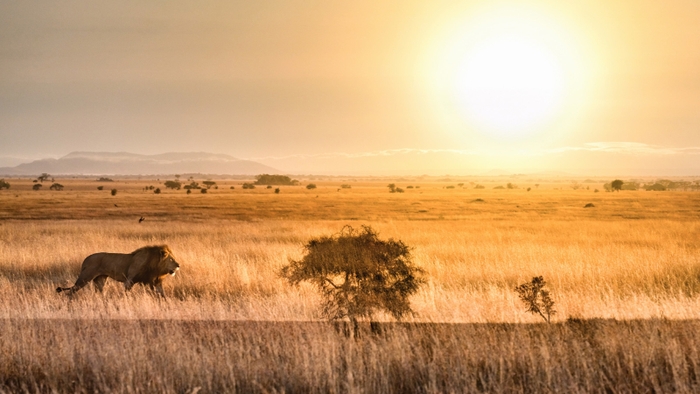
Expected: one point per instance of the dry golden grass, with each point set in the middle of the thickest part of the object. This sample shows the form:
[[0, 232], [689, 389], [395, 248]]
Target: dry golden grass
[[634, 256]]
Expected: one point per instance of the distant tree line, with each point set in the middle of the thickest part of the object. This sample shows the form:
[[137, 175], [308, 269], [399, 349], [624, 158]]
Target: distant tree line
[[267, 179]]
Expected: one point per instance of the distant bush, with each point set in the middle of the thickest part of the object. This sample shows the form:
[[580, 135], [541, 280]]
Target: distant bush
[[511, 186], [398, 190], [499, 187], [267, 179], [449, 187], [409, 187], [103, 179], [417, 187], [157, 191], [37, 186], [114, 192], [358, 274], [528, 189], [277, 190], [232, 187], [100, 187], [311, 186], [248, 186], [192, 185], [204, 191], [56, 186], [189, 191], [536, 299], [596, 191], [173, 185], [345, 186], [209, 184], [479, 187], [616, 185], [460, 184], [269, 187], [43, 177], [4, 185], [589, 205], [656, 187]]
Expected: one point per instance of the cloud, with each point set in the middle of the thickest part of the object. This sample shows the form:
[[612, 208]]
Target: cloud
[[627, 147]]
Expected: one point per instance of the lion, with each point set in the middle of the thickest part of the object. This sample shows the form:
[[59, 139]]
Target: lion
[[148, 265]]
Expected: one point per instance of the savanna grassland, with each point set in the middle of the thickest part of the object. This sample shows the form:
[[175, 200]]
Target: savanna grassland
[[624, 275]]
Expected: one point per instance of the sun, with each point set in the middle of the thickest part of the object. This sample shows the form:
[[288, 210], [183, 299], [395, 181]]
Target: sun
[[509, 85], [509, 73]]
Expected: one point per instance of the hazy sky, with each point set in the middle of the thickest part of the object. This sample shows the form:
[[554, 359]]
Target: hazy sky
[[323, 86]]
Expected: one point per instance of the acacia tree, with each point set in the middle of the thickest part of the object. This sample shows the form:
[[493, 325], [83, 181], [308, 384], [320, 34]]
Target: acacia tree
[[536, 298], [616, 185], [357, 273]]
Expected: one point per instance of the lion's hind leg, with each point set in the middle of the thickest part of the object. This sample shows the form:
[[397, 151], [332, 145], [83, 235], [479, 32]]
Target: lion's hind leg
[[99, 282]]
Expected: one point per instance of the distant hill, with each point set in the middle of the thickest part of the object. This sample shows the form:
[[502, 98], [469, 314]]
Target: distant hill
[[123, 163]]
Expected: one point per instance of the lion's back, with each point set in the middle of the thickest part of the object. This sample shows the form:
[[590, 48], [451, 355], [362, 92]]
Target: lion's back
[[114, 265]]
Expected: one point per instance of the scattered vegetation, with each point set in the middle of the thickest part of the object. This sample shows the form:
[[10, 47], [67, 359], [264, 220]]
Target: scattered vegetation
[[209, 184], [4, 185], [536, 298], [449, 187], [103, 179], [345, 186], [479, 187], [358, 274], [277, 190], [100, 187], [656, 187], [204, 191], [248, 186], [37, 186], [56, 186], [114, 192], [589, 205], [157, 191], [43, 177], [192, 186], [311, 186], [616, 185]]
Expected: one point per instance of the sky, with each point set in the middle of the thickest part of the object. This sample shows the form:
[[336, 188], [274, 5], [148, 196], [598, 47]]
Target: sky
[[405, 87]]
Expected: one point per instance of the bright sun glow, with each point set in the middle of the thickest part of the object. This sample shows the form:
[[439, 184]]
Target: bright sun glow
[[509, 85], [509, 73]]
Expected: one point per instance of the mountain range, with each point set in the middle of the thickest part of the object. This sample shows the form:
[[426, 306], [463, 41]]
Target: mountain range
[[123, 163]]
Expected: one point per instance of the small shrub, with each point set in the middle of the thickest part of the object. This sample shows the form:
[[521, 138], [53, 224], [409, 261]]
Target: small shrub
[[311, 186], [37, 186], [536, 298], [157, 191], [449, 187], [4, 185], [248, 186], [511, 186], [528, 189], [114, 192], [277, 190], [460, 184], [479, 187], [232, 187], [189, 191], [56, 186], [357, 273], [589, 205], [203, 191], [103, 179], [100, 187], [345, 186], [399, 190], [409, 187], [269, 187], [192, 185], [499, 187]]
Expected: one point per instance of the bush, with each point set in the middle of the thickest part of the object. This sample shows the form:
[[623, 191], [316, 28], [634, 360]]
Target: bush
[[269, 187], [203, 191], [277, 190], [311, 186], [616, 185], [105, 180], [173, 185], [4, 185], [248, 186], [398, 190], [479, 187], [536, 299], [409, 187], [100, 187], [232, 187], [114, 192], [345, 186], [56, 186], [36, 187], [192, 185], [657, 187], [267, 179], [499, 187], [157, 191], [358, 274], [209, 184], [189, 191]]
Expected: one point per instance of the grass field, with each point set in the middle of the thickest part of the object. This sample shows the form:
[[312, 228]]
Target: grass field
[[625, 276]]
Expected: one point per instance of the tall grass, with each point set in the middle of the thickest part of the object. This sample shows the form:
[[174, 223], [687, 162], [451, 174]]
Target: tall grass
[[625, 277]]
